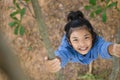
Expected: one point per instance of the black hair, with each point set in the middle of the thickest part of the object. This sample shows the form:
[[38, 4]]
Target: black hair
[[75, 20]]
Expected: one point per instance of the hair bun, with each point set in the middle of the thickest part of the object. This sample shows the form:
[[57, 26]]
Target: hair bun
[[74, 15]]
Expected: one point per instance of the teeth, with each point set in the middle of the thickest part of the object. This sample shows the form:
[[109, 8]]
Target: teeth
[[82, 48]]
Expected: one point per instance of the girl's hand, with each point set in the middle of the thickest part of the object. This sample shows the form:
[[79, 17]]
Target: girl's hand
[[116, 50], [52, 65]]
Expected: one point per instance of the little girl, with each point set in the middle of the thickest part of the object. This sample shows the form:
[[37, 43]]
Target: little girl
[[80, 44]]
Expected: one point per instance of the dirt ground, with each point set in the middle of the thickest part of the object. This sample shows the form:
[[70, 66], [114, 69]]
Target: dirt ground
[[29, 47]]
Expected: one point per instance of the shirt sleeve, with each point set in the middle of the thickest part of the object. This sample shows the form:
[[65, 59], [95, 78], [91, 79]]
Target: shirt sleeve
[[103, 48], [62, 52]]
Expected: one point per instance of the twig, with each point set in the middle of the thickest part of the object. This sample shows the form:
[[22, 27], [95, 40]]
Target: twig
[[27, 6]]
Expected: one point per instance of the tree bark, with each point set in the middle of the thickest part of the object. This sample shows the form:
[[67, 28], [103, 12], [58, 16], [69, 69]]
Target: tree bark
[[44, 34], [42, 28], [9, 62], [116, 62]]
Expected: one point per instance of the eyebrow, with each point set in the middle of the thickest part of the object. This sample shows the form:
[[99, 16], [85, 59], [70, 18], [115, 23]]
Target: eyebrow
[[86, 34]]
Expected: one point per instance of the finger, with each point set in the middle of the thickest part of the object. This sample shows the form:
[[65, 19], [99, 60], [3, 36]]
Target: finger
[[57, 63], [54, 61], [56, 69]]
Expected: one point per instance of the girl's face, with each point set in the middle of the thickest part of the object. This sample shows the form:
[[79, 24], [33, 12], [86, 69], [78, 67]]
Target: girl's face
[[81, 40]]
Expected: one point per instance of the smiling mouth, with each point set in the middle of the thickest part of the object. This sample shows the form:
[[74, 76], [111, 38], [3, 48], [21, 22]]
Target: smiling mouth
[[83, 49]]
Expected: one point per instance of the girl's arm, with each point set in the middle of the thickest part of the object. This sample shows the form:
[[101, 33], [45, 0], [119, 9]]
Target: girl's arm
[[114, 49], [61, 58]]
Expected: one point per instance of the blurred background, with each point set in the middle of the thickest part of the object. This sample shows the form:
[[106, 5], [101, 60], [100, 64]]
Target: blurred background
[[29, 49]]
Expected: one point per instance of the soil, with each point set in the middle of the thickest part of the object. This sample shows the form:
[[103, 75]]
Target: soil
[[29, 47]]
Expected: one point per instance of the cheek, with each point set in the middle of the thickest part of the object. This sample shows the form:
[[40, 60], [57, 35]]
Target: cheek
[[74, 45], [90, 42]]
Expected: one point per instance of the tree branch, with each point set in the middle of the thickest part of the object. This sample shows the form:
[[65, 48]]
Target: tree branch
[[116, 62]]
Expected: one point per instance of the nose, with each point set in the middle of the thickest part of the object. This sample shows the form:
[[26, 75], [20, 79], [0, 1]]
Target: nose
[[81, 43]]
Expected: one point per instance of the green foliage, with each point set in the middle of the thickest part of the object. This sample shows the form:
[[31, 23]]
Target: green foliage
[[21, 30], [27, 1], [30, 48], [92, 14], [87, 77], [104, 17], [16, 30], [87, 7], [92, 2], [112, 5], [17, 16], [22, 12], [98, 9], [11, 24]]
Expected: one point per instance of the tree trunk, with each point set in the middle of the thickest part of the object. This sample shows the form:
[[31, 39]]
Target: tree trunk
[[116, 62], [42, 28], [44, 33], [9, 62]]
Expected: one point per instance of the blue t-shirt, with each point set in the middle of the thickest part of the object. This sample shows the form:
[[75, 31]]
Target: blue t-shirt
[[67, 54]]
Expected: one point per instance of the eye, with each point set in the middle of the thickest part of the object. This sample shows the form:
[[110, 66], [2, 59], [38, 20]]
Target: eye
[[75, 39], [87, 37]]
